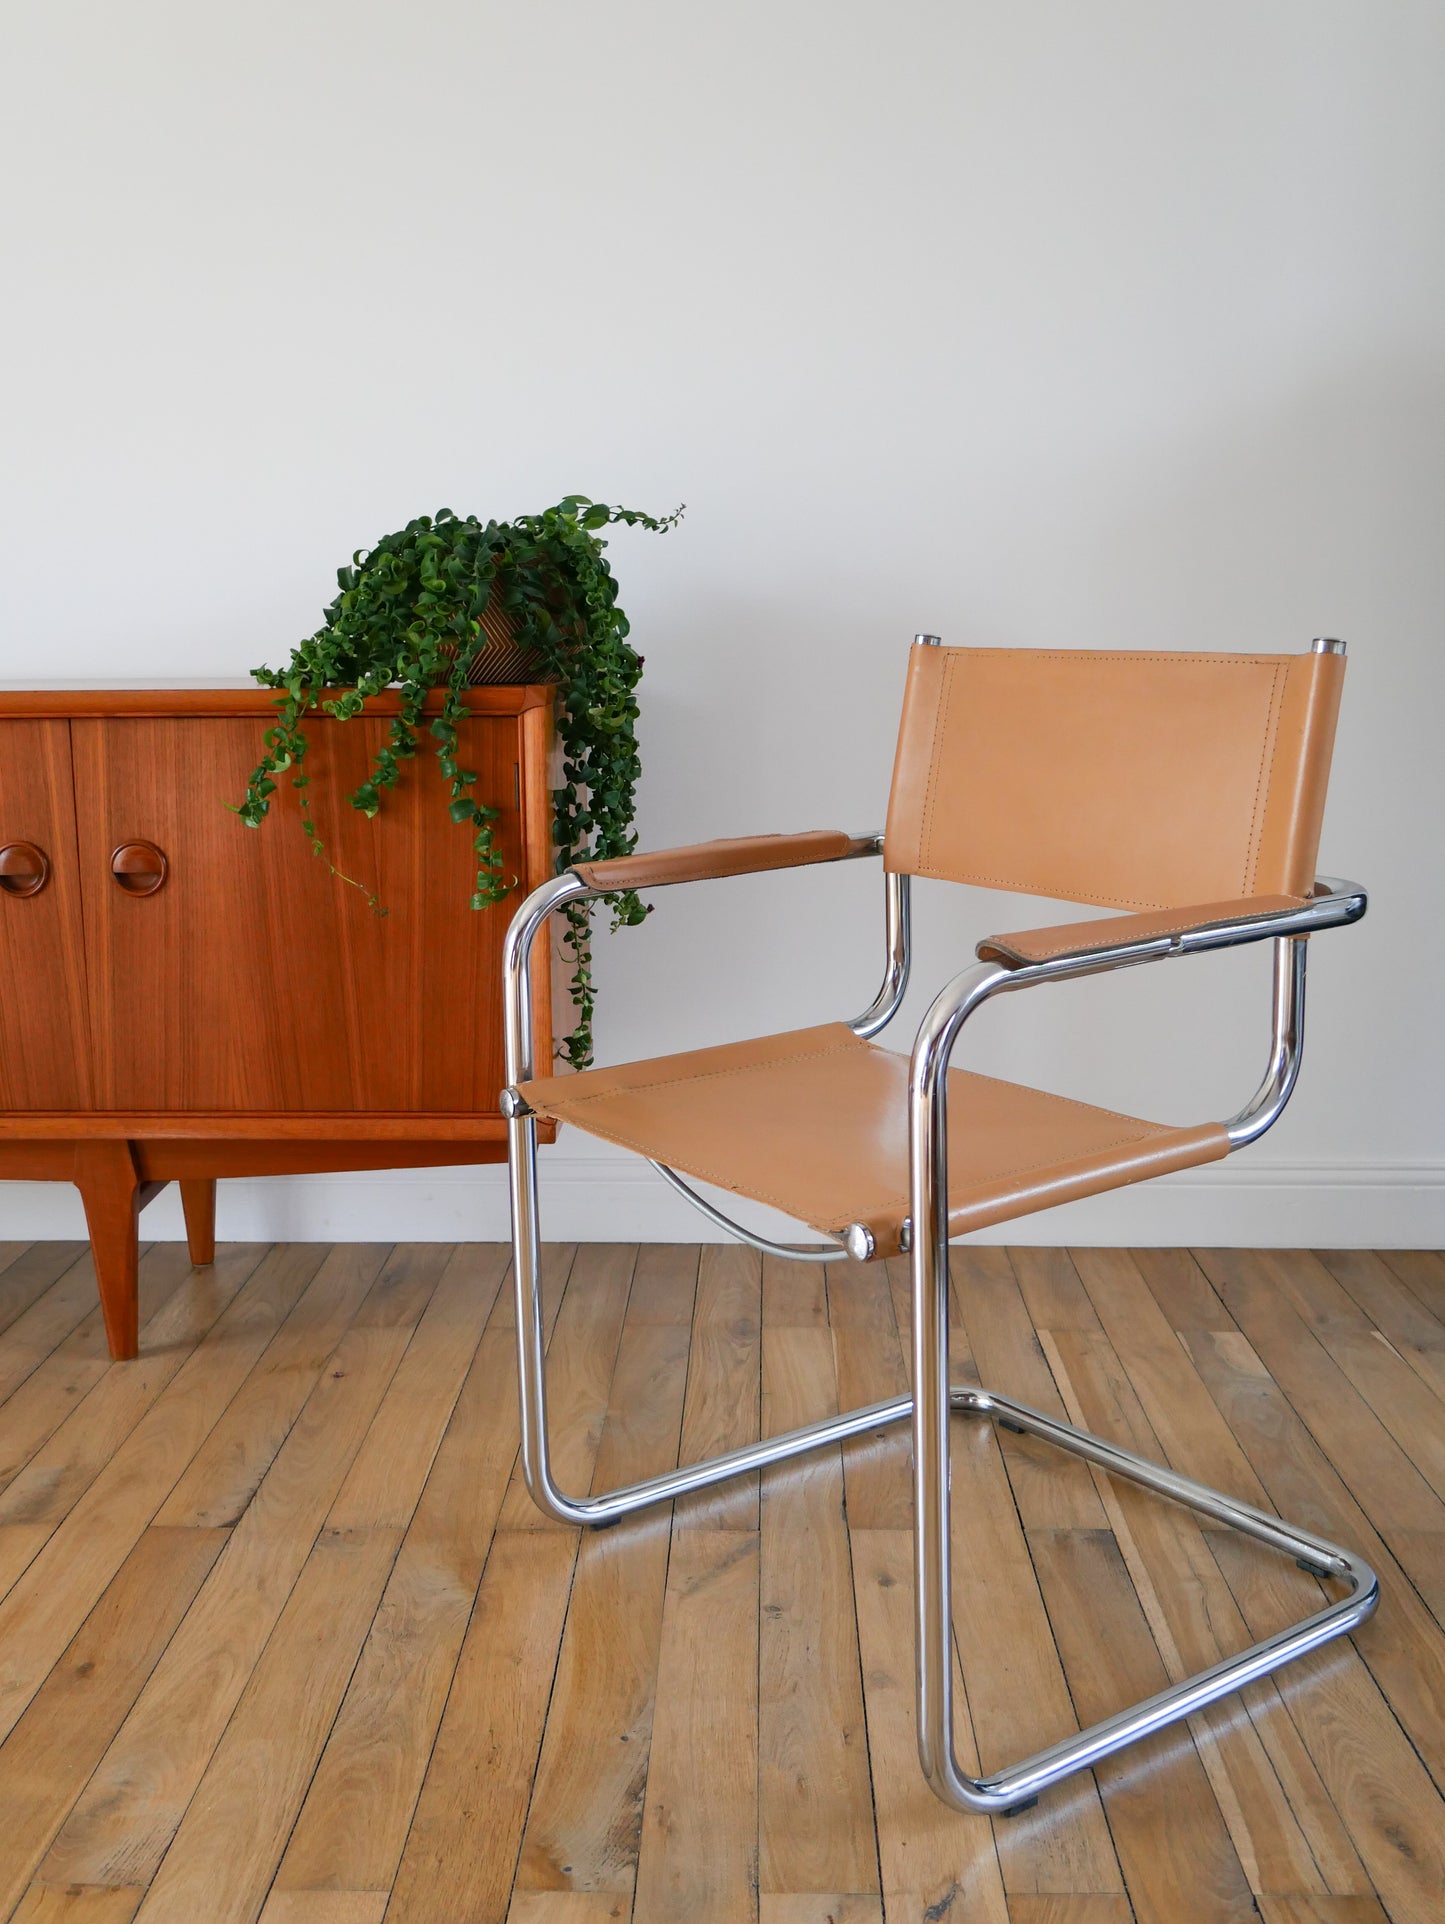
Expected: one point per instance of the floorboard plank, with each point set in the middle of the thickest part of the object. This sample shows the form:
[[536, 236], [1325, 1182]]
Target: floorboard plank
[[722, 1408], [228, 1843], [1393, 1309], [48, 1757], [1052, 1292], [664, 1284], [353, 1824], [1402, 1644], [224, 1474], [1193, 1436], [325, 1907], [869, 1367], [1018, 1698], [568, 1907], [1322, 1910], [1283, 1823], [68, 1297], [698, 1859], [584, 1826], [795, 1295], [933, 1862], [820, 1907], [1076, 1908], [56, 1388], [255, 1292], [76, 1904], [123, 1824], [1052, 1490], [461, 1851], [1175, 1849], [815, 1811], [1390, 1807], [581, 1357], [32, 1271], [1423, 1271]]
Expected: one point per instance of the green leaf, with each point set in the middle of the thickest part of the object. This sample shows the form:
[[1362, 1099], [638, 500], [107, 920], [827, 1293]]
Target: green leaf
[[406, 616]]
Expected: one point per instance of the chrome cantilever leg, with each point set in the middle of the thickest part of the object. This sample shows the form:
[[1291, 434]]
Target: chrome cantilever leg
[[531, 1360], [526, 1277], [1007, 1790], [1017, 1787]]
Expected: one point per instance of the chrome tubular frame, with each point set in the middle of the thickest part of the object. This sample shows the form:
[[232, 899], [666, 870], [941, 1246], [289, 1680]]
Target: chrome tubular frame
[[935, 1398], [897, 932], [1266, 1105], [812, 1253]]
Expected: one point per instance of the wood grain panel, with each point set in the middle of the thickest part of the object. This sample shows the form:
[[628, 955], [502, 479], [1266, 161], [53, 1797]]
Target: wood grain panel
[[43, 1056], [254, 981]]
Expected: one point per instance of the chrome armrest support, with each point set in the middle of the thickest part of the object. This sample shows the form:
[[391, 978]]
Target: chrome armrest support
[[897, 936], [1266, 1105], [516, 973], [570, 887], [1334, 904]]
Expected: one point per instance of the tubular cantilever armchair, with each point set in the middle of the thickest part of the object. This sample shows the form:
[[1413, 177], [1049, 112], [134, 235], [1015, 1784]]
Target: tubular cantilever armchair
[[1187, 789]]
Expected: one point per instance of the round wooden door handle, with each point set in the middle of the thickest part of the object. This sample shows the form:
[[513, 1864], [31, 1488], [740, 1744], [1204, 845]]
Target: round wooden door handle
[[139, 867], [24, 868]]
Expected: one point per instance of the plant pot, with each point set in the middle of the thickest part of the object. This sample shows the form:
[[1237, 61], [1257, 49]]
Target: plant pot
[[501, 661]]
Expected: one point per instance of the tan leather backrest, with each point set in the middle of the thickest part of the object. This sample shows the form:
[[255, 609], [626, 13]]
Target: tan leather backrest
[[1133, 780]]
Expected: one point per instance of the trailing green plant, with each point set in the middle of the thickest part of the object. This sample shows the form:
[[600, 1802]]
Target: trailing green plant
[[409, 615]]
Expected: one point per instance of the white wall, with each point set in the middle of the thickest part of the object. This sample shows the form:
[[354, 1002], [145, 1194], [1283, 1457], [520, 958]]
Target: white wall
[[1108, 325]]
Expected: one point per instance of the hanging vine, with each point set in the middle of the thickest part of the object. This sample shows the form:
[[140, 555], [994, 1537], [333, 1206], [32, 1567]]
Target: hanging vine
[[409, 616]]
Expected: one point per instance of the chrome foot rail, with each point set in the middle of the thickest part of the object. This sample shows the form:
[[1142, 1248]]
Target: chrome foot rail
[[936, 1398], [1007, 1791]]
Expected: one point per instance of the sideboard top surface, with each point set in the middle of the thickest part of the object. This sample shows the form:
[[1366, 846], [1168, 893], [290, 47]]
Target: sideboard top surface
[[66, 700]]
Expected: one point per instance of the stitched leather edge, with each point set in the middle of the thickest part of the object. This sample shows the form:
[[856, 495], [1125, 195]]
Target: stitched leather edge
[[1267, 748], [1001, 943]]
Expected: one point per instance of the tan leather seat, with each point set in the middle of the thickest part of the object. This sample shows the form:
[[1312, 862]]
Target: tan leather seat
[[815, 1122]]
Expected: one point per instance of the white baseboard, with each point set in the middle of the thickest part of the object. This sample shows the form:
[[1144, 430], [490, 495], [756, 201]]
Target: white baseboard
[[619, 1199]]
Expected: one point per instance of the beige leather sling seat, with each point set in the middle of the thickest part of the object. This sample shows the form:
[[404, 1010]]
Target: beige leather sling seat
[[1139, 782], [1182, 794]]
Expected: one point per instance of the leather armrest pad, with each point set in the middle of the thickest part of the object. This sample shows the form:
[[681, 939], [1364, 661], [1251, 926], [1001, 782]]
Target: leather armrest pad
[[742, 855], [1081, 938]]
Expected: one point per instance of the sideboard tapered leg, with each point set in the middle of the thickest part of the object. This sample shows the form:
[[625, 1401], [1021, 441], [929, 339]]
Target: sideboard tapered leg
[[198, 1202], [110, 1188]]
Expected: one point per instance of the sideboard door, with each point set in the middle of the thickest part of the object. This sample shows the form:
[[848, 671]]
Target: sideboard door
[[43, 1057], [238, 974]]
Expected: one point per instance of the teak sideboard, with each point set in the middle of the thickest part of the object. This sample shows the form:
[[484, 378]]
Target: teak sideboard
[[183, 997]]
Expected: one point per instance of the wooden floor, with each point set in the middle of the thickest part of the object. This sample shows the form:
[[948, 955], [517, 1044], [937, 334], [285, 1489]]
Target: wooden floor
[[281, 1636]]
